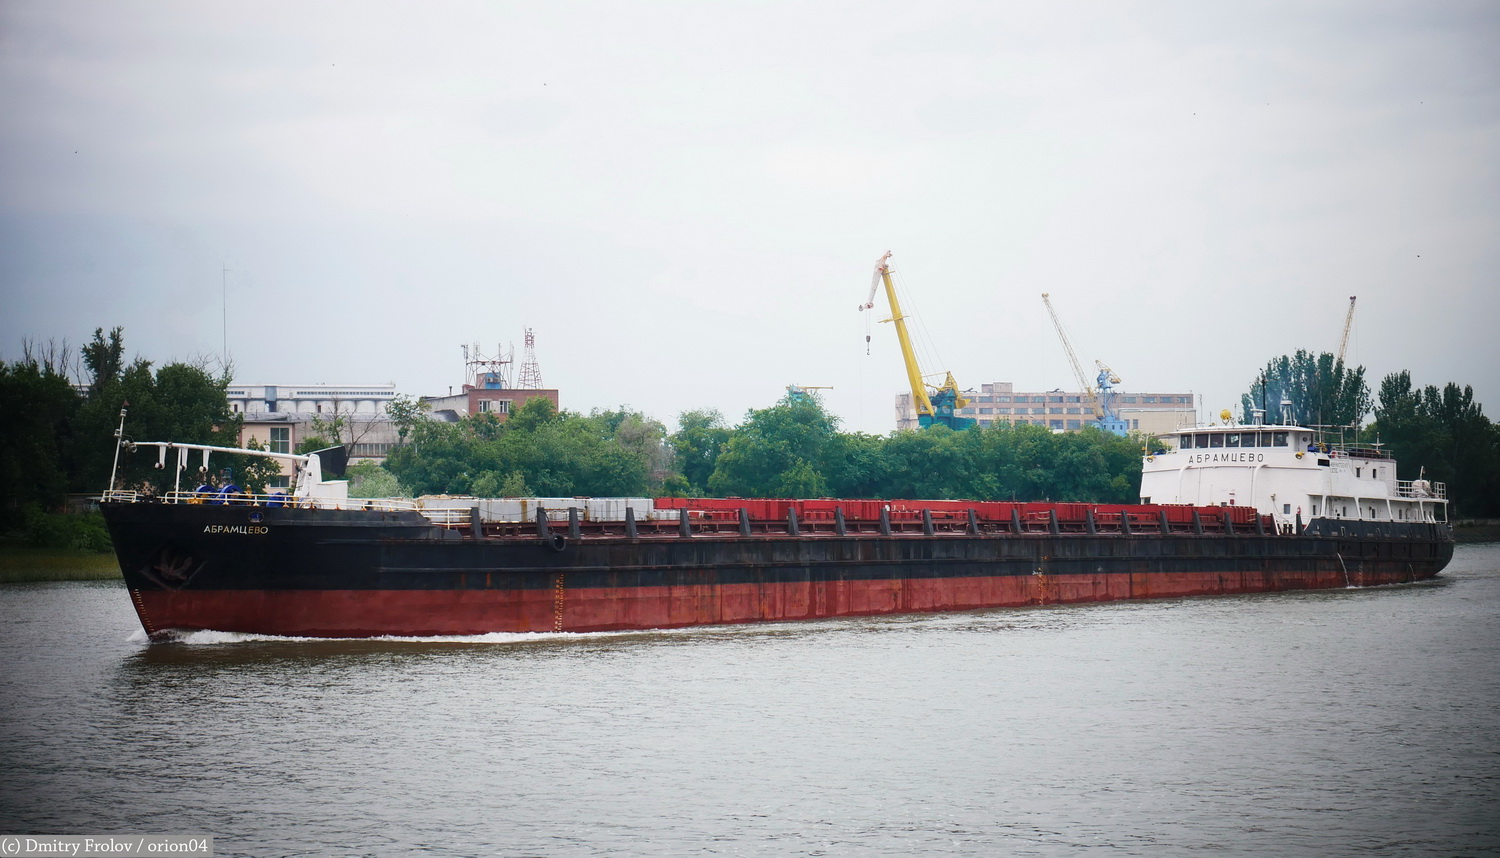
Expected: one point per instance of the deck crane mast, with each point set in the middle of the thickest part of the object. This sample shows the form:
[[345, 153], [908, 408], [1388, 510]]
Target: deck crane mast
[[940, 406], [1348, 323], [1101, 393]]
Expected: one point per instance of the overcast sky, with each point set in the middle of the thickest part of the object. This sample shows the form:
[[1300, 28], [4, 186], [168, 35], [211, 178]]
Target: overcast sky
[[686, 200]]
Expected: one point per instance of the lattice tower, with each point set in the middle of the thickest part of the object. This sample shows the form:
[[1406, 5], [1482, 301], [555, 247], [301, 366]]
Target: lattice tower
[[530, 377]]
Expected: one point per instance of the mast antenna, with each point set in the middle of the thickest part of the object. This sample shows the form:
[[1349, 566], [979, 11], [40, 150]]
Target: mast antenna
[[530, 376], [224, 310]]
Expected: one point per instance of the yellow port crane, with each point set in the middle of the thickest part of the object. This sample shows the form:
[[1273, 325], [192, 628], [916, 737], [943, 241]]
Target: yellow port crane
[[942, 404]]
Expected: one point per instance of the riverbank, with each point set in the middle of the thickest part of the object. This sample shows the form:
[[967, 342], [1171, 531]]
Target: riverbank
[[1480, 533], [1476, 530], [19, 564]]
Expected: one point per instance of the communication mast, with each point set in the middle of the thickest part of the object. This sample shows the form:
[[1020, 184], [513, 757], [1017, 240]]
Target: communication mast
[[485, 371], [530, 377]]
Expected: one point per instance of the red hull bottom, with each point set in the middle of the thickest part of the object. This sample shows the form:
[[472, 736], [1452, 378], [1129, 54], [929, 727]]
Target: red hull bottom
[[411, 613]]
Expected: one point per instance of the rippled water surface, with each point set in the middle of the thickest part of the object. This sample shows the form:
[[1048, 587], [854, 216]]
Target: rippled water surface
[[1330, 723]]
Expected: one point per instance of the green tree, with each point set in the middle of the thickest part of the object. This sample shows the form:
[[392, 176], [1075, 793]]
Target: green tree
[[1444, 435], [104, 357], [252, 473], [437, 459], [38, 405], [369, 480], [405, 412], [514, 486], [534, 413], [928, 463], [1321, 391], [325, 432], [856, 465], [777, 452], [1403, 422], [698, 441], [537, 450], [178, 402]]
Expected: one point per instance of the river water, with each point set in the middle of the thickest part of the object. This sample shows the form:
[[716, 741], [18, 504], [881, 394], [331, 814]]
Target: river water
[[1348, 722]]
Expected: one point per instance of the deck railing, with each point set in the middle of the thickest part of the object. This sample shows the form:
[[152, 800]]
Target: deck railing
[[1428, 490], [274, 500], [451, 517]]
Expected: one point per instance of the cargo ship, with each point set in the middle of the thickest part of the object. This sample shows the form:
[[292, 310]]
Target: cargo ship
[[1224, 509]]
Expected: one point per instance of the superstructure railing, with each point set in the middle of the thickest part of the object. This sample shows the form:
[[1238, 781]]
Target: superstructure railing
[[1421, 490], [271, 500]]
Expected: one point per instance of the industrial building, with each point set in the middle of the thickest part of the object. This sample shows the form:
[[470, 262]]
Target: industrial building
[[258, 399], [489, 389], [279, 417], [1061, 410]]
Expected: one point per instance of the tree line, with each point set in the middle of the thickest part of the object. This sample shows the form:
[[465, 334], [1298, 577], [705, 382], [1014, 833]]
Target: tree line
[[58, 437], [57, 434], [1440, 434], [791, 449]]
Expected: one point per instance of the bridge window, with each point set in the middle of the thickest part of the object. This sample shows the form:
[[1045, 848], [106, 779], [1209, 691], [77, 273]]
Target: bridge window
[[1200, 441], [1216, 439], [1279, 439], [1184, 442], [1232, 439]]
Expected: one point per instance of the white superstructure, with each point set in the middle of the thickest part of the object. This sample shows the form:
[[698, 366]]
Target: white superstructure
[[1285, 471]]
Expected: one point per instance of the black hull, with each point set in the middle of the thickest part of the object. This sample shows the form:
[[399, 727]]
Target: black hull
[[356, 573]]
